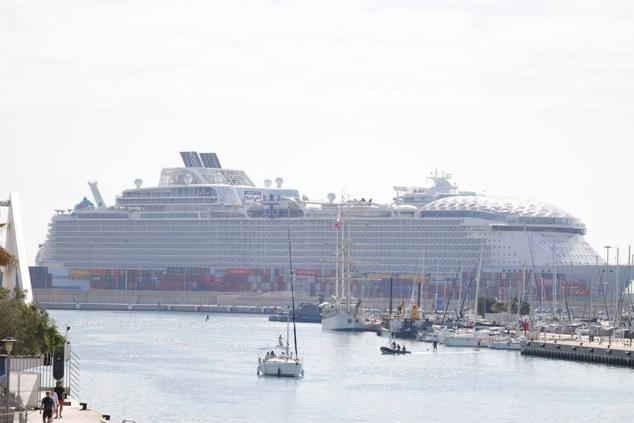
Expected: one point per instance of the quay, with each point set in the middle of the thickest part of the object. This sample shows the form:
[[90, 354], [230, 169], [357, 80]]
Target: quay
[[581, 350], [164, 307], [76, 413]]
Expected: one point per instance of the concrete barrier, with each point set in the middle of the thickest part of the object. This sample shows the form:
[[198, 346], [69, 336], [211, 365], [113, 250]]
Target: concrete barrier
[[619, 356]]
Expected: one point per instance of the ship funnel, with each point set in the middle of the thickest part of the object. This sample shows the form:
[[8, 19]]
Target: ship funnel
[[138, 182], [96, 194], [279, 182]]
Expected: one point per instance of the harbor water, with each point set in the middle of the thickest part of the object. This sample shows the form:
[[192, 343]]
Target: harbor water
[[179, 367]]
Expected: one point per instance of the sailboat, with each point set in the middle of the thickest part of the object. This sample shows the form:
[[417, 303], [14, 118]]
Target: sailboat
[[284, 364], [475, 338], [341, 315]]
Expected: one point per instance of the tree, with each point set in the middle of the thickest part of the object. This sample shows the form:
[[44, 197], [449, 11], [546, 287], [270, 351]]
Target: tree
[[28, 323], [485, 305], [6, 259]]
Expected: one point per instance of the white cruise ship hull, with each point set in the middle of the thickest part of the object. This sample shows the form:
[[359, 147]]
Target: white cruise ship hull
[[343, 321]]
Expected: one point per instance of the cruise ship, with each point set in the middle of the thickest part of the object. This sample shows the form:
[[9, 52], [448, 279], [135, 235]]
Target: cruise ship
[[206, 227]]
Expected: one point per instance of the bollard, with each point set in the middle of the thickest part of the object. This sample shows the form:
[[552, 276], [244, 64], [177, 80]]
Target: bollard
[[106, 416], [83, 406]]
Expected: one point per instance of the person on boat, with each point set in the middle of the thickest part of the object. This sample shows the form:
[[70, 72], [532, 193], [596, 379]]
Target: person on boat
[[398, 347], [394, 345], [403, 349], [272, 355]]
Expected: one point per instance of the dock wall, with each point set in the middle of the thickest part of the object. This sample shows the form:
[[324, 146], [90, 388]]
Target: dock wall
[[579, 352]]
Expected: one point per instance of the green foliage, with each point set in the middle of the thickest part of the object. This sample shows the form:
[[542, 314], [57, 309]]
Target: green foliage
[[485, 305], [29, 324], [6, 259], [491, 305]]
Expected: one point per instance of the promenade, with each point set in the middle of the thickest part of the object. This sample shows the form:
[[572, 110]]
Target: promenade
[[72, 414]]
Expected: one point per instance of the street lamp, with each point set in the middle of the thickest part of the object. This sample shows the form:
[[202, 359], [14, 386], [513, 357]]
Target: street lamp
[[8, 346]]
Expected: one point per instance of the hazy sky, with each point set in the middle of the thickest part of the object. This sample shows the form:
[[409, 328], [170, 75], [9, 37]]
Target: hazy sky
[[527, 99]]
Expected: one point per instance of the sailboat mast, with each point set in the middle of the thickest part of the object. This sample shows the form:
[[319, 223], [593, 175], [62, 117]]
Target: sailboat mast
[[422, 286], [522, 294], [478, 285], [554, 283], [337, 253], [290, 266]]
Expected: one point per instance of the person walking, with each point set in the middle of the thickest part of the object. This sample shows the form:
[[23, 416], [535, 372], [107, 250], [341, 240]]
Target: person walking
[[59, 391], [55, 404], [47, 406], [435, 343]]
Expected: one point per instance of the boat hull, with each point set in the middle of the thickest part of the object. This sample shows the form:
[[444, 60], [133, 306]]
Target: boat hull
[[506, 345], [388, 350], [280, 367], [465, 341], [343, 321]]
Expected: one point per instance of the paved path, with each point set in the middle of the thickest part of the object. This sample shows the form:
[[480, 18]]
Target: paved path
[[72, 414]]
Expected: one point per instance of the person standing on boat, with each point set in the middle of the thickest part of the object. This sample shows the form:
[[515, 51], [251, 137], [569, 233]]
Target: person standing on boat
[[525, 326]]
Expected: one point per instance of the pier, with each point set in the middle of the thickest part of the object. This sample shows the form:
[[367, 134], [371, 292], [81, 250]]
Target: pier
[[164, 307], [581, 350]]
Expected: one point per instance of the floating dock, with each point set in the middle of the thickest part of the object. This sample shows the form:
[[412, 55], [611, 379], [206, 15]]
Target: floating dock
[[579, 350]]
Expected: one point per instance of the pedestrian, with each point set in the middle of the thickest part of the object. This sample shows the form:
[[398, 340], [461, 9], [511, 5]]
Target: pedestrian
[[47, 406], [59, 390], [435, 345], [55, 403]]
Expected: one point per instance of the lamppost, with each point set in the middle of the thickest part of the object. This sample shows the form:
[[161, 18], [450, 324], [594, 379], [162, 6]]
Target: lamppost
[[8, 346]]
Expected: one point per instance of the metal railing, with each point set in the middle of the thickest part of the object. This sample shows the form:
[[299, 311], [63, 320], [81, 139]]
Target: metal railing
[[72, 376], [16, 417], [43, 366]]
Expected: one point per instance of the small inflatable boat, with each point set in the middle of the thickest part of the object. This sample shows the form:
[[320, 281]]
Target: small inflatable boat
[[388, 350]]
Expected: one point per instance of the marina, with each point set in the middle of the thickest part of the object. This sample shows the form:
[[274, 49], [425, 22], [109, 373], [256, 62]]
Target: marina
[[316, 212], [208, 367]]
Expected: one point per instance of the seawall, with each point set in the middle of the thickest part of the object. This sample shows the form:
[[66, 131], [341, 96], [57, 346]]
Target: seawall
[[591, 352]]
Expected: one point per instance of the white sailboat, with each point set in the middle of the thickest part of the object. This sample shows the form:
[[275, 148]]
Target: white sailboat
[[284, 364], [341, 315], [472, 338]]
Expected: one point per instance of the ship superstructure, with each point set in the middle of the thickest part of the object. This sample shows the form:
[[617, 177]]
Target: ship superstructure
[[214, 226]]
